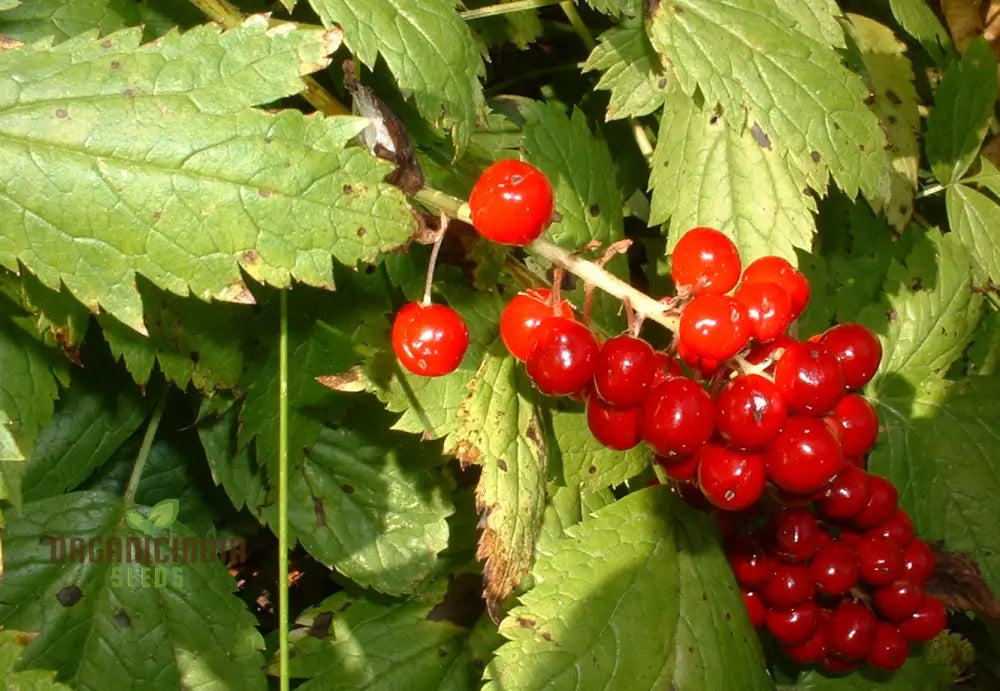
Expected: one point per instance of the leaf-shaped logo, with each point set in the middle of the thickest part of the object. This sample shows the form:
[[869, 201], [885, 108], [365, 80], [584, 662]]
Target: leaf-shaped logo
[[137, 521], [164, 513]]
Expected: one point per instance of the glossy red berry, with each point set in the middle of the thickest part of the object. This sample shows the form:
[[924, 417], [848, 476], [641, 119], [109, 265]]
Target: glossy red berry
[[714, 327], [899, 529], [625, 370], [562, 359], [804, 456], [683, 469], [857, 425], [429, 340], [768, 307], [810, 652], [730, 478], [793, 625], [858, 351], [889, 649], [511, 203], [850, 632], [883, 500], [797, 534], [880, 560], [790, 585], [707, 261], [756, 609], [523, 315], [617, 428], [677, 417], [706, 367], [834, 568], [927, 622], [809, 378], [898, 601], [846, 496], [919, 561], [666, 367], [778, 270], [752, 565], [771, 350], [750, 411]]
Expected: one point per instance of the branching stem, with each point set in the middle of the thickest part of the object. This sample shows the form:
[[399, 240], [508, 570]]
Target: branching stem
[[506, 8]]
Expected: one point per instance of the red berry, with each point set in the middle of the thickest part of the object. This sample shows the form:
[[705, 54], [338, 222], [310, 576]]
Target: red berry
[[714, 327], [810, 652], [706, 367], [880, 560], [625, 370], [797, 534], [756, 609], [523, 315], [881, 505], [768, 307], [429, 340], [858, 351], [617, 428], [794, 625], [682, 468], [752, 565], [898, 601], [899, 529], [790, 585], [706, 260], [926, 622], [677, 417], [666, 367], [889, 650], [846, 496], [511, 203], [750, 411], [850, 632], [778, 270], [771, 350], [731, 479], [834, 568], [804, 456], [919, 562], [857, 424], [562, 359], [809, 378]]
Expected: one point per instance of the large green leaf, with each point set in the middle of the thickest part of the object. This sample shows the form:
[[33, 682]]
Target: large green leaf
[[631, 72], [963, 104], [181, 180], [894, 100], [767, 71], [36, 19], [104, 625], [582, 174], [12, 643], [639, 596], [975, 219], [707, 171], [428, 48]]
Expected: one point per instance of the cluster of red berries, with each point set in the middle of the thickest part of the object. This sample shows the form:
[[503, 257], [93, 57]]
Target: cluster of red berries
[[844, 585]]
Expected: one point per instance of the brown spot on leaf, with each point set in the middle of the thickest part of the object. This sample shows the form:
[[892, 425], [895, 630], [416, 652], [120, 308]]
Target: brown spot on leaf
[[69, 596], [116, 64], [362, 232], [893, 98], [351, 381], [320, 627], [264, 192], [61, 112], [526, 623], [592, 469], [251, 256], [547, 636], [869, 99], [759, 136], [594, 210], [958, 584], [502, 464], [348, 189], [123, 620], [156, 215], [348, 489], [320, 512], [129, 92], [662, 83], [107, 43], [442, 652]]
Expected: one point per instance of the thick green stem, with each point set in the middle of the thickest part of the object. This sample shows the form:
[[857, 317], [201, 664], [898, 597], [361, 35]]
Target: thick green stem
[[147, 444], [569, 9], [283, 494], [506, 8]]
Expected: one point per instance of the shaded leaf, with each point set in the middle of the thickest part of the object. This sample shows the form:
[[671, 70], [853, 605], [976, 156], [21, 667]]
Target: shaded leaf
[[616, 8], [56, 313], [919, 20], [631, 71]]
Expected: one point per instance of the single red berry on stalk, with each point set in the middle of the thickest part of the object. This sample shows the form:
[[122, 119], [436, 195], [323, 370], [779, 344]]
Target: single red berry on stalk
[[778, 270], [562, 359], [858, 351], [707, 261], [804, 456], [625, 370], [730, 478], [677, 417], [919, 562], [857, 424], [524, 314], [429, 340], [834, 568], [850, 632], [790, 585], [615, 427], [797, 534], [846, 496], [883, 500], [750, 411], [809, 378], [511, 203], [768, 307], [889, 649], [898, 601], [879, 559], [926, 622], [793, 625], [714, 327]]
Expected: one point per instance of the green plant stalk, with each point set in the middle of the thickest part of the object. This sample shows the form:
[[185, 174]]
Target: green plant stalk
[[576, 21], [506, 8], [283, 494], [144, 448]]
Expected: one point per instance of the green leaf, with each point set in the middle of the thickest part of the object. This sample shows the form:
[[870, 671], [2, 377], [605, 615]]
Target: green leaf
[[941, 449], [233, 466], [616, 8], [706, 171], [57, 313], [520, 28], [963, 105], [428, 48], [354, 642], [12, 643], [917, 674], [39, 19], [100, 627], [164, 142], [818, 19], [975, 220], [164, 513], [631, 72], [587, 462], [501, 432], [889, 75], [639, 595], [919, 20], [932, 310], [136, 521], [767, 71], [582, 174]]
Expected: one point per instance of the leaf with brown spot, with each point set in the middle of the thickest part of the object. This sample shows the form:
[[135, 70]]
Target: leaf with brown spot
[[958, 584]]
